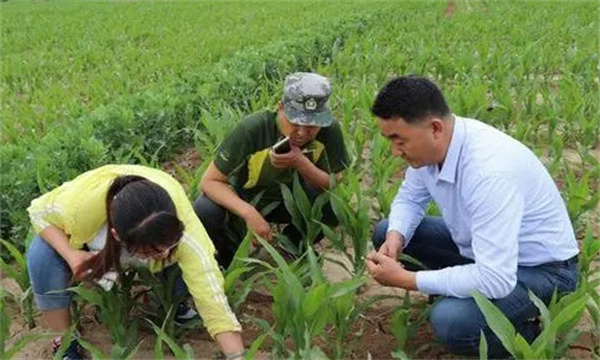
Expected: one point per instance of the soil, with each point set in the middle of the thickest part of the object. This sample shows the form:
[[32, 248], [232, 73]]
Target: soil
[[374, 339]]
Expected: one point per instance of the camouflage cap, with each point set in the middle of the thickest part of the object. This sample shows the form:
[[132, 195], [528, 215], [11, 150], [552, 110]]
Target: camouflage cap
[[305, 97]]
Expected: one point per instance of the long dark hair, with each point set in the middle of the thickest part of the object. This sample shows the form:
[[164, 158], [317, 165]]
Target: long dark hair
[[143, 215]]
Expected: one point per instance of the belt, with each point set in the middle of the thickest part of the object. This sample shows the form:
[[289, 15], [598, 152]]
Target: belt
[[572, 260]]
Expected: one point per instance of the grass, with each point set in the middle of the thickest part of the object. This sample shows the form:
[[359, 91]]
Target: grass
[[61, 60]]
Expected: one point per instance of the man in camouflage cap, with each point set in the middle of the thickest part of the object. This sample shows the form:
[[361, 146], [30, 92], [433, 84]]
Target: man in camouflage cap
[[246, 170], [305, 97]]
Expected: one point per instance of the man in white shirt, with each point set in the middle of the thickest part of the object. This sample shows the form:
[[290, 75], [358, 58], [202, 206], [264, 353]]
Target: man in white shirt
[[504, 226]]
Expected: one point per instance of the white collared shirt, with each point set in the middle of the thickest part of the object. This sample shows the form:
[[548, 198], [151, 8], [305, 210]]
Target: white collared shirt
[[501, 207]]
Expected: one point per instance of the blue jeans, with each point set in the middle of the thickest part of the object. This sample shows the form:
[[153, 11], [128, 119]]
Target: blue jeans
[[48, 271], [456, 321]]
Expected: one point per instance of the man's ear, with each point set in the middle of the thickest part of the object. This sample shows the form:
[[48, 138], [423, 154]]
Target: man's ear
[[437, 127]]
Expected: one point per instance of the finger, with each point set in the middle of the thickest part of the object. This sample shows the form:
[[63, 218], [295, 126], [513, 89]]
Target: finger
[[392, 252], [269, 236], [371, 266], [371, 255], [384, 259], [376, 257], [266, 233]]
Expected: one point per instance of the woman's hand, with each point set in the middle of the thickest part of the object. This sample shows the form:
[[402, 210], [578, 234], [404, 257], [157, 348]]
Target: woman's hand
[[59, 241], [231, 344], [77, 257]]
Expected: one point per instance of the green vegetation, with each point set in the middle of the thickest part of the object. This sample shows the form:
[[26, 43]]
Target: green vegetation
[[83, 84]]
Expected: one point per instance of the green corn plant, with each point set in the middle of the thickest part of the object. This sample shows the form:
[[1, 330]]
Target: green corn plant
[[18, 272], [163, 289], [305, 216], [301, 314], [345, 312], [351, 124], [589, 162], [236, 287], [116, 352], [588, 270], [190, 179], [579, 197], [589, 252], [215, 126], [257, 343], [240, 276], [483, 346], [20, 343], [557, 150], [383, 167], [180, 353], [404, 325], [558, 319], [352, 211], [114, 309]]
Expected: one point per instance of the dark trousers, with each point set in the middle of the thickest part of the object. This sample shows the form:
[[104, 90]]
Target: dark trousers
[[227, 230], [457, 322]]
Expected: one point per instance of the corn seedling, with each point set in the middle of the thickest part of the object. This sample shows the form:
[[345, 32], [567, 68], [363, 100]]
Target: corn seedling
[[19, 273], [239, 276], [215, 126], [588, 278], [117, 352], [578, 194], [383, 167], [305, 215], [114, 309], [345, 311], [404, 325], [164, 289], [235, 274], [19, 343], [181, 353], [301, 314], [352, 211], [558, 319]]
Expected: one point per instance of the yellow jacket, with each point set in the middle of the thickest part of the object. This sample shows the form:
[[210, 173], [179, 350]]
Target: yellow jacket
[[78, 207]]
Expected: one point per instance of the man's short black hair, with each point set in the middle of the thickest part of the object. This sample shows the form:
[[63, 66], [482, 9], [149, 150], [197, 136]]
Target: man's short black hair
[[411, 98]]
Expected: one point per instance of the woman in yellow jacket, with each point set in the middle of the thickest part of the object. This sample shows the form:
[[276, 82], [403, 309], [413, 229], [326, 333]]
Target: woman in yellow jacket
[[128, 214]]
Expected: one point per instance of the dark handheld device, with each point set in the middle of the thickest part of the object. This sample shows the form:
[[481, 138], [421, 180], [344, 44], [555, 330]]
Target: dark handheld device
[[282, 146]]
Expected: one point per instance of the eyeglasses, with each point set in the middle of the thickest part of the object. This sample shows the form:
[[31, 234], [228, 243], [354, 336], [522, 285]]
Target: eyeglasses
[[160, 254]]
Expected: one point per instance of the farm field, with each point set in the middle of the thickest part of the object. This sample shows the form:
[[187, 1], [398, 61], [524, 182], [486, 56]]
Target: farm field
[[161, 83]]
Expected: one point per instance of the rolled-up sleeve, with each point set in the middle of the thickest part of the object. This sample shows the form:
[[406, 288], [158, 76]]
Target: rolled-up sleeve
[[409, 205], [496, 209]]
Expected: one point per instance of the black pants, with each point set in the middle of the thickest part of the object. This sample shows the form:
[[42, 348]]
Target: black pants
[[227, 230]]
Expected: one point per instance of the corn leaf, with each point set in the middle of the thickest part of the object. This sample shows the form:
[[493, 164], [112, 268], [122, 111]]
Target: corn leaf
[[497, 321], [483, 347]]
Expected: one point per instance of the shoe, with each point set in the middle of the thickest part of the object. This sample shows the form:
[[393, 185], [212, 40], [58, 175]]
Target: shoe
[[73, 352], [186, 315]]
